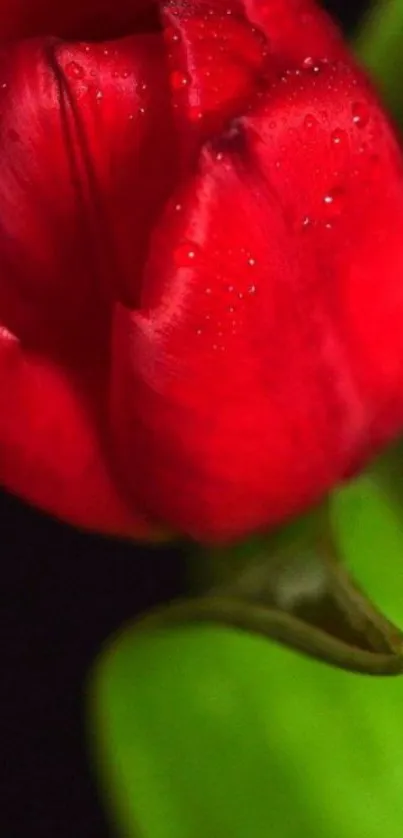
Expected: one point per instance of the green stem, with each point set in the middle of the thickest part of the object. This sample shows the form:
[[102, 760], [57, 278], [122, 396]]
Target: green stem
[[291, 588]]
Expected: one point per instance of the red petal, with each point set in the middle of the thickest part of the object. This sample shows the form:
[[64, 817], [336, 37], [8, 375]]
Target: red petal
[[81, 180], [337, 165], [217, 61], [215, 383], [256, 373], [254, 351], [50, 453], [296, 30], [222, 55], [80, 185]]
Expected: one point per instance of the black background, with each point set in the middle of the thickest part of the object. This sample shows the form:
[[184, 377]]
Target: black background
[[64, 594]]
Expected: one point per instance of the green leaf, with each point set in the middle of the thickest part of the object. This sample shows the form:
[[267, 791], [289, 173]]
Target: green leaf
[[205, 732], [380, 47], [368, 517]]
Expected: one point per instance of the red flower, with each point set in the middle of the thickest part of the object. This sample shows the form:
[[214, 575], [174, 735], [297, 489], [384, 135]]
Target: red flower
[[201, 293]]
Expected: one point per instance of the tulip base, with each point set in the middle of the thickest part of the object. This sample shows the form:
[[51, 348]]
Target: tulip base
[[292, 588]]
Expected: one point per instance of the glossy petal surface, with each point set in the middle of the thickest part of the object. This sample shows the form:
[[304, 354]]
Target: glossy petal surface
[[200, 235], [259, 349], [78, 136], [44, 413]]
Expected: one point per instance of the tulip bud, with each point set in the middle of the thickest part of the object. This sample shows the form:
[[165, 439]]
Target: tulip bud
[[200, 229]]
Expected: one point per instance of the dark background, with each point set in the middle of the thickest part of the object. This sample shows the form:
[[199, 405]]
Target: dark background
[[64, 594]]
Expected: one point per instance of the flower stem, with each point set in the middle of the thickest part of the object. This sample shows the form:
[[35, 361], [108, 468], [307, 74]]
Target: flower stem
[[290, 587]]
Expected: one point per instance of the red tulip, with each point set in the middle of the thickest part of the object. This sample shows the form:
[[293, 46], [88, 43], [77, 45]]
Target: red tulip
[[201, 294]]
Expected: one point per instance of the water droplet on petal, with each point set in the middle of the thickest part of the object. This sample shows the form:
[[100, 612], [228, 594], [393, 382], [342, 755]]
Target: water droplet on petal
[[251, 262], [171, 35], [339, 137], [306, 222], [74, 70], [311, 64], [334, 201], [361, 114], [310, 121], [179, 80], [186, 255], [195, 114]]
